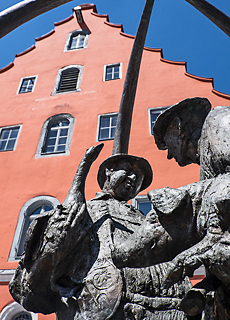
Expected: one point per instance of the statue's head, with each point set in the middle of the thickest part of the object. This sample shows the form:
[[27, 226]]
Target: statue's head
[[124, 176], [178, 129]]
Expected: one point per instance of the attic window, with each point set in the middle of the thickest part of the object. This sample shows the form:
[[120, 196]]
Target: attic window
[[77, 39]]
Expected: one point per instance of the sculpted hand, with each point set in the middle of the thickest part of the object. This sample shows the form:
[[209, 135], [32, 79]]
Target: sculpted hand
[[189, 260]]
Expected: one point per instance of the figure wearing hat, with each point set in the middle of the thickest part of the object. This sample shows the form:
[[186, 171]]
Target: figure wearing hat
[[67, 267], [194, 217]]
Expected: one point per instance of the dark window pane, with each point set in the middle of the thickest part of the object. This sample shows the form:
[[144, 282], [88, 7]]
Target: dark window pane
[[154, 117], [10, 144], [52, 133], [14, 133], [51, 142], [5, 134], [114, 121], [145, 207], [61, 148], [104, 133], [112, 133], [37, 211], [49, 149], [64, 132], [48, 208], [64, 123], [62, 140], [2, 145], [105, 122]]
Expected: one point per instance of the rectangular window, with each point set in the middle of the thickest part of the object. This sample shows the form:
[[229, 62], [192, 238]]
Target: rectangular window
[[153, 114], [143, 204], [107, 126], [8, 138], [27, 85], [57, 137], [77, 42], [112, 72]]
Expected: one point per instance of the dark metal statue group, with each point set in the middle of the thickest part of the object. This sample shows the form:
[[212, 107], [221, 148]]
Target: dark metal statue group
[[103, 259]]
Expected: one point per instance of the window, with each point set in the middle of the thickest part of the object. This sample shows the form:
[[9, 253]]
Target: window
[[106, 126], [68, 79], [112, 72], [153, 114], [56, 136], [28, 213], [77, 39], [9, 137], [14, 311], [27, 84], [142, 203]]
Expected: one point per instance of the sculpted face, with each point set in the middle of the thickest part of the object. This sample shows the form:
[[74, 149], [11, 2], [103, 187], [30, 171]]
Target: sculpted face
[[178, 145], [124, 180]]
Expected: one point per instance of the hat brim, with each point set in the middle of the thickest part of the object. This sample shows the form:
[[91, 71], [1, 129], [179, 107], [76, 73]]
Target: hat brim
[[141, 162], [198, 106]]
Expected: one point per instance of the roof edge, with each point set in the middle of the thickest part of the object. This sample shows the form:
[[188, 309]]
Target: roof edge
[[25, 51], [222, 95], [100, 15], [9, 66], [45, 35], [182, 63], [114, 25], [127, 35], [63, 21], [204, 79], [87, 6]]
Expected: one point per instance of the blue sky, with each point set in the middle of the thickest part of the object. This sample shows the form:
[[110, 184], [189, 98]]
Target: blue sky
[[180, 30]]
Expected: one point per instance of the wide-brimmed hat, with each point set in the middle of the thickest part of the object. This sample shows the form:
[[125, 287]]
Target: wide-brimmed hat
[[141, 162], [199, 107]]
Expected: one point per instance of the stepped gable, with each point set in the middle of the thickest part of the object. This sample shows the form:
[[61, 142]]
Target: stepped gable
[[91, 6]]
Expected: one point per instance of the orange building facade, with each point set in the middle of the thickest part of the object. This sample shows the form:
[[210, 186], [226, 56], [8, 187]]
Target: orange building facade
[[62, 96]]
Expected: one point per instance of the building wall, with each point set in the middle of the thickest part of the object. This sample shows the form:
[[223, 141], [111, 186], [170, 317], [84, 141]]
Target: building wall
[[161, 83]]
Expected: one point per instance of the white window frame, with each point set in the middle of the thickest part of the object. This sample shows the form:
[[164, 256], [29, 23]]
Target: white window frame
[[59, 75], [140, 199], [98, 124], [154, 110], [24, 215], [44, 134], [25, 78], [11, 127], [73, 34], [13, 309], [112, 65]]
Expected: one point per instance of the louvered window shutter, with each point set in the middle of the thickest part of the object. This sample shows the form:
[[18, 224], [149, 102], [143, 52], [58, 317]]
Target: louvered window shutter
[[69, 80]]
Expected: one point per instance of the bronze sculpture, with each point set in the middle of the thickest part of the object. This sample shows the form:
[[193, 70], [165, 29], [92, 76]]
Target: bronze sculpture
[[67, 267], [191, 133]]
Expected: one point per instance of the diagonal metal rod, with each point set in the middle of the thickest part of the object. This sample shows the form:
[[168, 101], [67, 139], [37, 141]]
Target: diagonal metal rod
[[124, 119], [24, 11], [220, 19]]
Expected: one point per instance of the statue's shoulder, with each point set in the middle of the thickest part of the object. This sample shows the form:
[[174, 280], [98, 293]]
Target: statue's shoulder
[[167, 200]]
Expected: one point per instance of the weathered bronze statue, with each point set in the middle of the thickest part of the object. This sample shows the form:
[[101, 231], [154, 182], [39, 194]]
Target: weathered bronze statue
[[194, 217], [67, 266]]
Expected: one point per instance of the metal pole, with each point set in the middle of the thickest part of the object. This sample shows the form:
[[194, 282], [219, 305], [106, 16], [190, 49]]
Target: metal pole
[[15, 16], [220, 19], [121, 139]]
